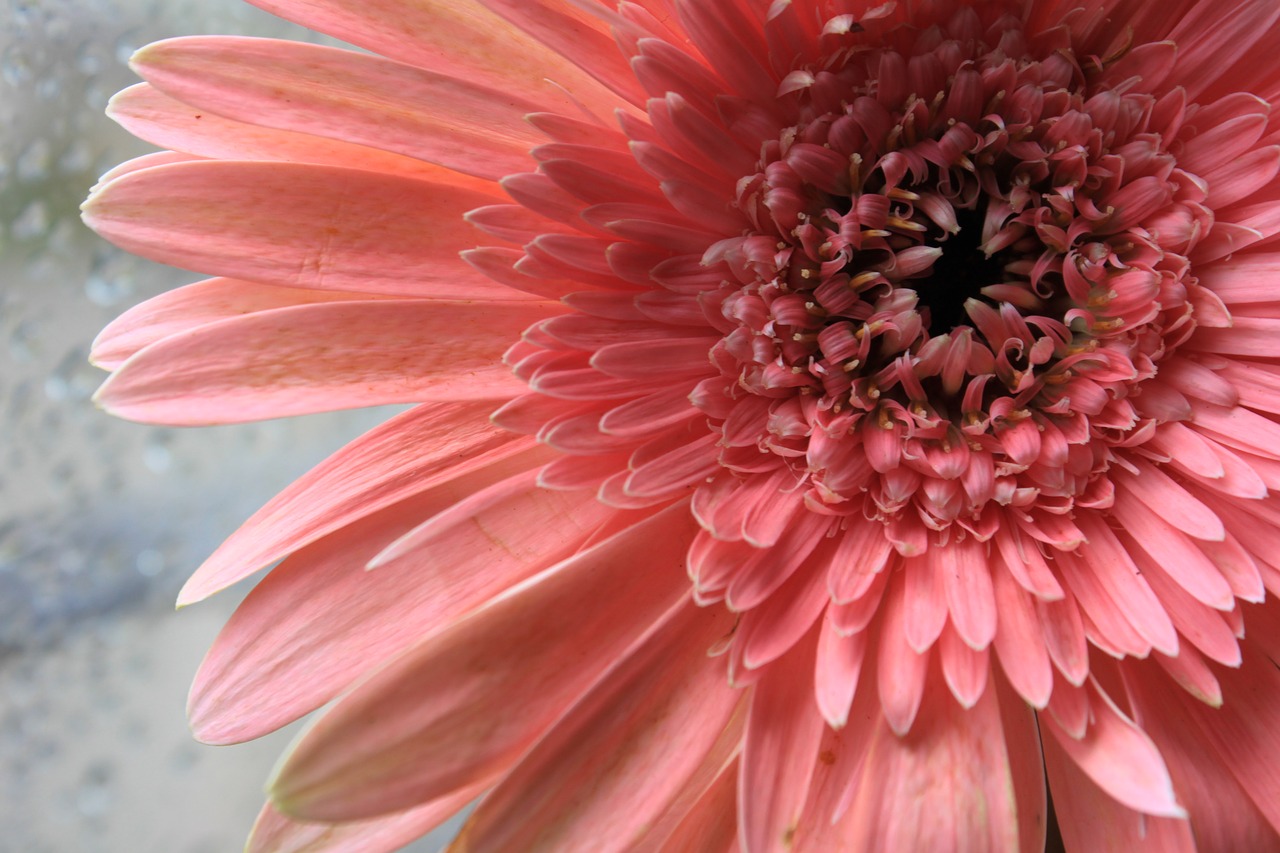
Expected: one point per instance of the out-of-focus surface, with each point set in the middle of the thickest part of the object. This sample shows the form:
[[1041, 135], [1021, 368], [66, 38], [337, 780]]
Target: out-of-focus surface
[[101, 520]]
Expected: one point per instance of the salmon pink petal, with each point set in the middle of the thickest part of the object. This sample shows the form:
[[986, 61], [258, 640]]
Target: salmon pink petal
[[236, 697], [1118, 757], [197, 305], [409, 454], [607, 769], [1092, 819], [712, 823], [778, 753], [1218, 822], [275, 833], [577, 32], [292, 361], [429, 741], [457, 37], [945, 785], [359, 98], [161, 120], [379, 234]]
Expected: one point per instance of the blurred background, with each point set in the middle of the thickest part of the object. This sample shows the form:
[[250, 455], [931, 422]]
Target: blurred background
[[101, 520]]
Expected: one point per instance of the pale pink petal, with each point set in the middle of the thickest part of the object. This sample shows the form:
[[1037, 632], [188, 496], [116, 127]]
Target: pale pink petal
[[275, 833], [299, 225], [901, 671], [575, 34], [444, 713], [836, 672], [371, 616], [1019, 642], [779, 752], [353, 97], [195, 305], [319, 357], [456, 37], [409, 454], [149, 114], [1222, 814], [1118, 757], [945, 785], [712, 823], [607, 770], [966, 575], [1175, 553], [1152, 486], [1092, 819]]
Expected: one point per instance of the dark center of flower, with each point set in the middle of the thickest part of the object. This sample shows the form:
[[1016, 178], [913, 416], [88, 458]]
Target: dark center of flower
[[959, 274]]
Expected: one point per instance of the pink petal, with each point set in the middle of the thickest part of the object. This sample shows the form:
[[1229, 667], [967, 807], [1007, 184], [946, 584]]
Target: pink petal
[[1019, 641], [1243, 279], [966, 575], [945, 785], [1209, 39], [1175, 553], [901, 671], [275, 833], [925, 607], [1153, 487], [779, 752], [409, 454], [443, 711], [272, 663], [187, 308], [1223, 816], [836, 672], [1064, 637], [297, 225], [161, 120], [964, 669], [607, 769], [576, 35], [1091, 818], [712, 823], [354, 97], [319, 357], [1118, 757], [456, 37]]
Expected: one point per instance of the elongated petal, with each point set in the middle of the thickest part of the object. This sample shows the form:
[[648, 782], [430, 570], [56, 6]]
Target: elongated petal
[[1118, 757], [311, 358], [299, 225], [458, 37], [607, 771], [409, 454], [779, 753], [149, 114], [196, 305], [272, 639], [351, 96], [1092, 819], [275, 833], [945, 785], [443, 711]]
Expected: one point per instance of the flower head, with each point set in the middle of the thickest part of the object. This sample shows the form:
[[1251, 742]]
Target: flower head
[[934, 342]]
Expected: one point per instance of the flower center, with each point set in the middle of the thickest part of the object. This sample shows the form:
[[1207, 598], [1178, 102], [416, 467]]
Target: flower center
[[956, 282]]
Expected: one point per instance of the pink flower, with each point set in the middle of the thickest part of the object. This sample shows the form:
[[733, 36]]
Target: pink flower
[[936, 341]]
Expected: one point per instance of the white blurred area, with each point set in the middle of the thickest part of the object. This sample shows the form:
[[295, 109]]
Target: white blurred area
[[101, 520]]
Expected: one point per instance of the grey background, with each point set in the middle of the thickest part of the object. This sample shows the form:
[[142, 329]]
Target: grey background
[[101, 520]]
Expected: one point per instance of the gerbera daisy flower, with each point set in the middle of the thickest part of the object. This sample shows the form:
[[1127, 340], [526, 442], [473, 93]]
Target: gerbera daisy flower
[[834, 419]]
